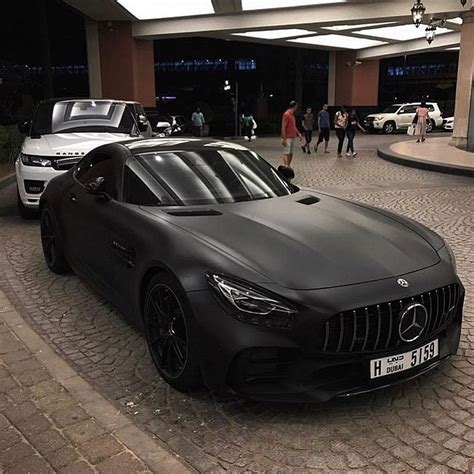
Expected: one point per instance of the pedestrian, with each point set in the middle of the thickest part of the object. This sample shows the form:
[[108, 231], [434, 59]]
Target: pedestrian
[[422, 117], [247, 126], [324, 127], [340, 124], [353, 123], [289, 132], [308, 126], [198, 122]]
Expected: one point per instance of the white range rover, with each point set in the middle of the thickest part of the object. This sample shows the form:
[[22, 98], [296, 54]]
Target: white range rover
[[62, 132], [400, 116]]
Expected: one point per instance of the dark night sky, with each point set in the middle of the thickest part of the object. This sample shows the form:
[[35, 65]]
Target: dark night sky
[[19, 33]]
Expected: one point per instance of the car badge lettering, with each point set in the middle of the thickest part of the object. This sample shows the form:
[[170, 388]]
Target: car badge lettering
[[403, 283], [413, 322]]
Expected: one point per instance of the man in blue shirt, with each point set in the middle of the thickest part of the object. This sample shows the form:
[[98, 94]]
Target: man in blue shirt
[[324, 125]]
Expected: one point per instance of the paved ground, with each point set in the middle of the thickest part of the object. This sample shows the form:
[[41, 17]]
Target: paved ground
[[425, 424]]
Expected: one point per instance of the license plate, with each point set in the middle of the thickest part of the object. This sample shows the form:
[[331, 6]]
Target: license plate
[[400, 362]]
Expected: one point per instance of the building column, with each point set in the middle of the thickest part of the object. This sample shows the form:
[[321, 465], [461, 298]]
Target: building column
[[120, 66], [332, 79], [463, 135], [357, 83]]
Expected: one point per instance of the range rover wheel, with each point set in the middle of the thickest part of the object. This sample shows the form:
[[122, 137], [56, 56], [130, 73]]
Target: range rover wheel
[[169, 333], [25, 212], [389, 127], [52, 243]]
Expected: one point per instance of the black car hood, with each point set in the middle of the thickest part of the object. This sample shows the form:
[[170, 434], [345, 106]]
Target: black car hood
[[314, 245]]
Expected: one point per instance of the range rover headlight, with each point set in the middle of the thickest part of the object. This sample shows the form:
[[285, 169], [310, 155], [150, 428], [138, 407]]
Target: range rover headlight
[[251, 305], [33, 160]]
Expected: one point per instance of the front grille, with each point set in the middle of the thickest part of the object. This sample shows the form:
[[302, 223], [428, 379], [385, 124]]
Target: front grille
[[375, 328], [64, 164], [369, 120]]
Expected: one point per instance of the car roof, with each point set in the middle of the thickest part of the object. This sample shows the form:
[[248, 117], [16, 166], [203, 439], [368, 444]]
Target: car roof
[[150, 145]]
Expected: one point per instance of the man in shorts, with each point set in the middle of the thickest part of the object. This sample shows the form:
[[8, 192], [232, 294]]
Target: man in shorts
[[289, 132], [324, 126]]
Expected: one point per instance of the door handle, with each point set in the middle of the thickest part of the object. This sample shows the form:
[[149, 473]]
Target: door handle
[[72, 197]]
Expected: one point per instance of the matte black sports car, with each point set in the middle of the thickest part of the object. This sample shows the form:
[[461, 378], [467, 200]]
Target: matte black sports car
[[241, 280]]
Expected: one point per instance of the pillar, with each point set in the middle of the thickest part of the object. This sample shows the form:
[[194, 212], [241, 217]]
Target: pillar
[[463, 135], [356, 82], [299, 77], [332, 79], [120, 66]]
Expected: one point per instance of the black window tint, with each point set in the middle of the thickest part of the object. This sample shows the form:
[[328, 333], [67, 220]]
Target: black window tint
[[431, 108], [99, 165], [135, 191]]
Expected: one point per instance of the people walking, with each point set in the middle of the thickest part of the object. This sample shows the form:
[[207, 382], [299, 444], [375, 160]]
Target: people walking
[[422, 117], [289, 132], [308, 126], [247, 126], [340, 124], [324, 127], [353, 123], [198, 122]]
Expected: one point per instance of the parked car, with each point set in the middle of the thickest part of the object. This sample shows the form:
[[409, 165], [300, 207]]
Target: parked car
[[62, 132], [400, 116], [242, 280], [448, 124], [171, 125]]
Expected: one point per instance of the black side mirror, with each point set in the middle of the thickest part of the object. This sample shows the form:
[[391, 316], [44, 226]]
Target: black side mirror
[[24, 127], [287, 172], [96, 186], [142, 123]]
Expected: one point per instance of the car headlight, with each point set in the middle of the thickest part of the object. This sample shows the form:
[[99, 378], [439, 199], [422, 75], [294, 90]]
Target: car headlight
[[251, 305], [378, 119], [33, 160]]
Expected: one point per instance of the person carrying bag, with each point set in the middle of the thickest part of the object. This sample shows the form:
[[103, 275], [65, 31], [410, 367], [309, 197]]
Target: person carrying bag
[[412, 128]]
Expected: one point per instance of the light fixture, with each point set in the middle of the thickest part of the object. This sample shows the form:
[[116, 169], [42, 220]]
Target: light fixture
[[430, 33], [463, 2], [275, 34], [152, 9], [337, 41], [417, 12], [355, 26], [266, 5], [398, 33]]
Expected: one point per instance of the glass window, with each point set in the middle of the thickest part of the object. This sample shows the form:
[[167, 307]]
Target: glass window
[[245, 65], [409, 109], [137, 191], [98, 165], [391, 109], [213, 176]]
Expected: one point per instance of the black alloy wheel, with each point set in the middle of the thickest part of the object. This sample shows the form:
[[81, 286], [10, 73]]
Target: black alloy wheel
[[168, 335], [51, 243]]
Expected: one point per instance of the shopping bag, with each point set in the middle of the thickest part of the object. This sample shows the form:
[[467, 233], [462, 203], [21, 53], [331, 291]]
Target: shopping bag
[[411, 130]]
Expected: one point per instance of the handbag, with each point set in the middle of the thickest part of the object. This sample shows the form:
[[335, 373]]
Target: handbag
[[411, 130], [415, 119]]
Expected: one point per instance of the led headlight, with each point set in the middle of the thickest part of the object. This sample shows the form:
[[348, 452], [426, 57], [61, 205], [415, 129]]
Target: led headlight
[[251, 305], [33, 160]]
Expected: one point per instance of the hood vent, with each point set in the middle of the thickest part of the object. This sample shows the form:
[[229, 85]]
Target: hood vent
[[308, 200], [195, 213]]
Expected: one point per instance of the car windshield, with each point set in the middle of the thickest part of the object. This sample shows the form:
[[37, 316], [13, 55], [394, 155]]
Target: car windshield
[[214, 176], [391, 109], [82, 116]]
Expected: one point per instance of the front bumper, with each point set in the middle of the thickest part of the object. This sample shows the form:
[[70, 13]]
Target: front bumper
[[32, 181], [370, 124], [279, 365]]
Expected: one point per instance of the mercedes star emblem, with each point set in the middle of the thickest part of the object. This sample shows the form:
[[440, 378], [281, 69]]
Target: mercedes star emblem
[[403, 283], [413, 322]]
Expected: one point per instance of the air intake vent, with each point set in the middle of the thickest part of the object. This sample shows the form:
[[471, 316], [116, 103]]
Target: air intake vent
[[195, 213], [308, 200]]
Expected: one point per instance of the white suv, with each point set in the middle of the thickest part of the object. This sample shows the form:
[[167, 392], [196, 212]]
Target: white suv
[[62, 132], [400, 116]]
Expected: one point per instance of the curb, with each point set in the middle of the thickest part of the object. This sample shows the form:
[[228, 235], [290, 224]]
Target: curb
[[7, 180], [387, 154], [144, 446]]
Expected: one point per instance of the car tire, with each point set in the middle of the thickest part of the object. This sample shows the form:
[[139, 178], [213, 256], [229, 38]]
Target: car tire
[[389, 128], [25, 212], [52, 243], [430, 126], [169, 332]]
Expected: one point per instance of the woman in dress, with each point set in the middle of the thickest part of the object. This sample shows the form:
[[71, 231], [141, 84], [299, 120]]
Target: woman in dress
[[422, 114]]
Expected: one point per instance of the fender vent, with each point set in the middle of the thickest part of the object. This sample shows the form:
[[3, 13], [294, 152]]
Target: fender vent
[[195, 213], [308, 200]]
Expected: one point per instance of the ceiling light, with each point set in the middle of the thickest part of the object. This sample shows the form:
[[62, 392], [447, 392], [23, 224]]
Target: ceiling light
[[352, 27], [271, 4], [456, 21], [430, 33], [338, 41], [397, 33], [151, 9], [275, 34], [455, 48], [417, 12]]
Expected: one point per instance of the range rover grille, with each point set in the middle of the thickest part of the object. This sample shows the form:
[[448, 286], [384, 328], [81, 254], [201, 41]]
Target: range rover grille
[[375, 328]]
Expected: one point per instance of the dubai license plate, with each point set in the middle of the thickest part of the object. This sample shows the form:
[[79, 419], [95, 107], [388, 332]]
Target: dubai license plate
[[400, 362]]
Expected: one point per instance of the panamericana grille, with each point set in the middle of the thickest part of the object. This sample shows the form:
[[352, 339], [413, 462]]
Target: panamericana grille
[[375, 328]]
